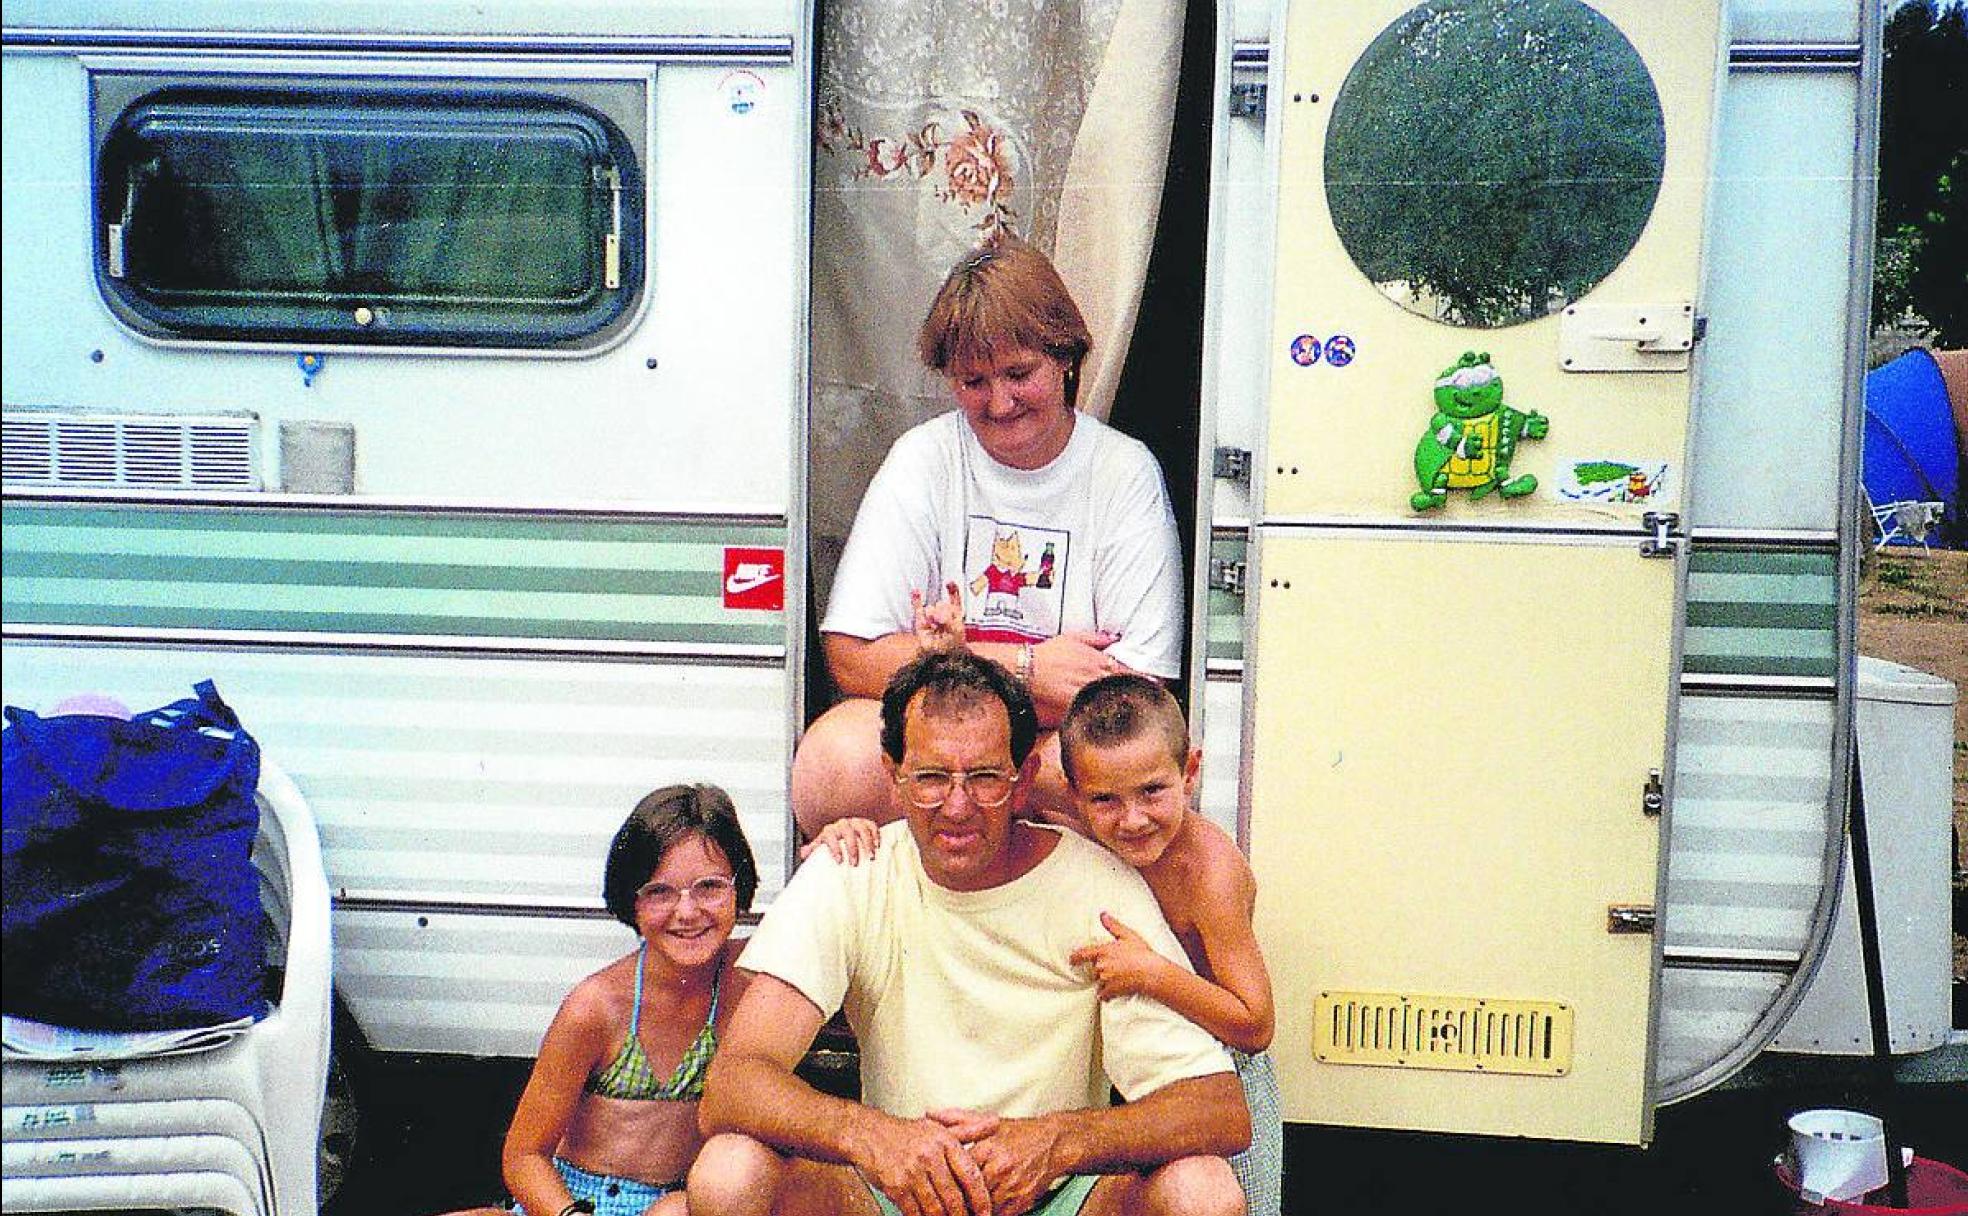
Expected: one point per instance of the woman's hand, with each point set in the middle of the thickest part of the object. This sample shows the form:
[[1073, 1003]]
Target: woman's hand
[[1063, 665], [849, 840], [938, 626]]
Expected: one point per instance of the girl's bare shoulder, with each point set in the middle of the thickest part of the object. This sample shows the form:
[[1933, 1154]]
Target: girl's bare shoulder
[[602, 999]]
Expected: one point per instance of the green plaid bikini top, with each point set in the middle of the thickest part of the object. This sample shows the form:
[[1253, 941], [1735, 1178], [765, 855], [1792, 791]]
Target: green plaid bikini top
[[628, 1075]]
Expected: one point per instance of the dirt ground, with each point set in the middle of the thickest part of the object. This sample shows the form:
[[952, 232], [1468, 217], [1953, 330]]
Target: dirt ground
[[1913, 609]]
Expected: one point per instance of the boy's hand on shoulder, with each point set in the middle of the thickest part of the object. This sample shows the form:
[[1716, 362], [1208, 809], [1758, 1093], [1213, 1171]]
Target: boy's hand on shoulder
[[851, 841], [1126, 966]]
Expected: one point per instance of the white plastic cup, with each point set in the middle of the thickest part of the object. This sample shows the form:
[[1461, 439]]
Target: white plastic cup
[[1839, 1154]]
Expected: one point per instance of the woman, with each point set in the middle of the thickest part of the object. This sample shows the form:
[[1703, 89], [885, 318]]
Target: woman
[[1046, 532], [608, 1121]]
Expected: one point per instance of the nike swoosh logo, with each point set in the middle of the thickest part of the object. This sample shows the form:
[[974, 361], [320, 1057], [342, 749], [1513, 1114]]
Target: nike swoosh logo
[[743, 580]]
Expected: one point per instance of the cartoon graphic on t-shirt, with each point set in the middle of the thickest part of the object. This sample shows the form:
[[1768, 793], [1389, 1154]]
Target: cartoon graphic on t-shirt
[[1003, 578], [1010, 599]]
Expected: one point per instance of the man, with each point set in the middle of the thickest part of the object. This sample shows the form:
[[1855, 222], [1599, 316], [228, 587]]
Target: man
[[986, 1055]]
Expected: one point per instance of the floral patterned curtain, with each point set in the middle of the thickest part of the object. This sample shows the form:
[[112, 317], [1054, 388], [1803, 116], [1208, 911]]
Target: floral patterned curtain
[[939, 123]]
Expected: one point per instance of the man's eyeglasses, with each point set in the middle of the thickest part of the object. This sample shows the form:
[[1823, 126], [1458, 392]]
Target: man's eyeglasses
[[930, 787], [663, 897]]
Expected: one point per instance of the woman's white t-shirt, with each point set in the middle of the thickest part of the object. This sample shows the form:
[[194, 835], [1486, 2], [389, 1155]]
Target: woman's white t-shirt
[[1087, 542]]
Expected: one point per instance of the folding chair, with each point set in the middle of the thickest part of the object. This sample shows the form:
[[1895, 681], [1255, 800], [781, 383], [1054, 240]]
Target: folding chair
[[1908, 517]]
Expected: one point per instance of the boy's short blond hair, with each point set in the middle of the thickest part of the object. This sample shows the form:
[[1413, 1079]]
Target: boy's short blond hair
[[1003, 295], [1119, 709]]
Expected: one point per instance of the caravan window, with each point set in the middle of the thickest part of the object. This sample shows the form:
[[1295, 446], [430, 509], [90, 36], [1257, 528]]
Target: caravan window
[[370, 218]]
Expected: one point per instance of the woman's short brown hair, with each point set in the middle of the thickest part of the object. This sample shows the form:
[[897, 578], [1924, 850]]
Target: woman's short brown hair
[[1001, 295]]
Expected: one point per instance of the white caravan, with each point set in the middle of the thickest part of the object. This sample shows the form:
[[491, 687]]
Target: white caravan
[[1544, 790]]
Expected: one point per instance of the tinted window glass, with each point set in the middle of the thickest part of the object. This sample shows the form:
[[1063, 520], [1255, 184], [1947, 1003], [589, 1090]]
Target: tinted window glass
[[403, 218], [1489, 161]]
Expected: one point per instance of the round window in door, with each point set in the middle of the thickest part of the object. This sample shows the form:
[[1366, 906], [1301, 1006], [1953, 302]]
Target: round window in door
[[1490, 161]]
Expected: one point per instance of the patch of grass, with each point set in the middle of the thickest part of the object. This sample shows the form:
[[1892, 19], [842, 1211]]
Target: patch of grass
[[1914, 610]]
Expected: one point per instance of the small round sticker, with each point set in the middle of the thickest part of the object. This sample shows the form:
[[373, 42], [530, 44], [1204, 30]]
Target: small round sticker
[[1305, 350], [741, 91], [1339, 350]]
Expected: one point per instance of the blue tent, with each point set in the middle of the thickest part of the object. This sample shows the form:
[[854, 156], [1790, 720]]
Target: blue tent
[[1911, 452]]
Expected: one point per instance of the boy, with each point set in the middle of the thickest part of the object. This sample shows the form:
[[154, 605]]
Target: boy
[[1125, 750]]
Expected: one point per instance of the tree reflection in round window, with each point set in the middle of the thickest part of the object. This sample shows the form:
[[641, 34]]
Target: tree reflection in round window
[[1489, 161]]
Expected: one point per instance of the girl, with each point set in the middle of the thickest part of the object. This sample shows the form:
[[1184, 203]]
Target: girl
[[608, 1121]]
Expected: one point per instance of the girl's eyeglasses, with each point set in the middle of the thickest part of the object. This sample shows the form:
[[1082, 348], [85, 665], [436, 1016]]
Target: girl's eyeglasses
[[663, 897]]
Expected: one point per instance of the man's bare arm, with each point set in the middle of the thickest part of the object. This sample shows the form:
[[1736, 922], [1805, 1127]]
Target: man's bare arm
[[751, 1089], [1198, 1117]]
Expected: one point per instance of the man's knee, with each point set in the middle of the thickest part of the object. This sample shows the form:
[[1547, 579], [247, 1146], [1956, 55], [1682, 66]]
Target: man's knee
[[734, 1175], [1192, 1186], [837, 769]]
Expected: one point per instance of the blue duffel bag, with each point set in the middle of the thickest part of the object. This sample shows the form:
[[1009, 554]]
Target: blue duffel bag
[[126, 873]]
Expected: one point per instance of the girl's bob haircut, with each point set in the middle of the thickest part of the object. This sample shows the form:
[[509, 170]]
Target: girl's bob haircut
[[658, 822]]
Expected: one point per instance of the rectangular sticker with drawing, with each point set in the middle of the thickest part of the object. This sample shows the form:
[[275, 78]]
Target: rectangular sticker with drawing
[[1013, 576], [1614, 481]]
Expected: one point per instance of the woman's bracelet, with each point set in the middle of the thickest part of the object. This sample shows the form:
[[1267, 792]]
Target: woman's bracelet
[[1025, 664]]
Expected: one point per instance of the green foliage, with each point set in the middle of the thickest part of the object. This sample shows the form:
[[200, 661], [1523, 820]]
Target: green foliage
[[1494, 157], [1939, 280], [1921, 264]]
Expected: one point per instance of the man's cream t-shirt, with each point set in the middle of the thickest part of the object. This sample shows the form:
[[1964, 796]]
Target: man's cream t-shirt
[[966, 999]]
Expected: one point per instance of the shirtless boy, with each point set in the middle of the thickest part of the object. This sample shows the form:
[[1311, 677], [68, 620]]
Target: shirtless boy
[[1125, 750]]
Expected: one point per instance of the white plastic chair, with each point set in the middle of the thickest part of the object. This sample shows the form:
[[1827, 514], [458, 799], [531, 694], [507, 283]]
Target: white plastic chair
[[1906, 517], [233, 1128]]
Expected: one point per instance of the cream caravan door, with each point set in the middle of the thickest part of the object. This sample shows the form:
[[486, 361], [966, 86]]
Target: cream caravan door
[[1488, 224]]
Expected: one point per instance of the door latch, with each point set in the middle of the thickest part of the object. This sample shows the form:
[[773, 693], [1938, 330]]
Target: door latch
[[1662, 542], [1652, 796], [1655, 337], [1630, 918]]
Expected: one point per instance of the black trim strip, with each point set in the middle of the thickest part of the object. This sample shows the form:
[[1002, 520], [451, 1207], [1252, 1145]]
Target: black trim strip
[[1796, 55], [764, 655], [274, 502], [712, 48], [1702, 962], [453, 907], [1741, 54]]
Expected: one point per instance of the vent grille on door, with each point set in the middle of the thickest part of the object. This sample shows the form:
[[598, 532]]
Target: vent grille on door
[[1465, 1034], [130, 451]]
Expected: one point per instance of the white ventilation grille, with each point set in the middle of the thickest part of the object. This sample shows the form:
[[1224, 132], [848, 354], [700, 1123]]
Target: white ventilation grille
[[130, 451]]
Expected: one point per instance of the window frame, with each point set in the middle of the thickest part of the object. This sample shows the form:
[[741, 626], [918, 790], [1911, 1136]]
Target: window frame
[[612, 113]]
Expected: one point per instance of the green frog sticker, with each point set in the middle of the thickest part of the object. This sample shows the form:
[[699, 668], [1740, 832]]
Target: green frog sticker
[[1471, 439]]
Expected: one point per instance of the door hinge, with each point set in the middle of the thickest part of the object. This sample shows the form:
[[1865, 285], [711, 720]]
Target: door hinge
[[1247, 99], [1630, 918], [1233, 464], [1663, 542], [1228, 575], [1652, 796]]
